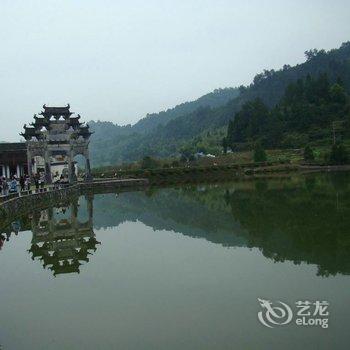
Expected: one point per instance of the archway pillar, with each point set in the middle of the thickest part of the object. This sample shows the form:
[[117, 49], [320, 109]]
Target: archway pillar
[[90, 207], [29, 163], [88, 176], [48, 176], [71, 176]]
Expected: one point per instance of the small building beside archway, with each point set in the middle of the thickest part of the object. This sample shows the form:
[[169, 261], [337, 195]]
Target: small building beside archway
[[13, 159]]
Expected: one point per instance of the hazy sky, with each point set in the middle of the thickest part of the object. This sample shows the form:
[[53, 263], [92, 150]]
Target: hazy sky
[[118, 60]]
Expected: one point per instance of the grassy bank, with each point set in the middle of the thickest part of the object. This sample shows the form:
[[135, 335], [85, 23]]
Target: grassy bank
[[219, 167], [192, 173]]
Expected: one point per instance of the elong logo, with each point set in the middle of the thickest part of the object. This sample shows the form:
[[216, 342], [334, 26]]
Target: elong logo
[[308, 313], [274, 315]]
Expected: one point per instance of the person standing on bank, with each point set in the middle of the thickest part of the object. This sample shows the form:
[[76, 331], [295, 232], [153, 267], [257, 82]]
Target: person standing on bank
[[42, 182], [27, 182], [13, 185], [22, 183], [36, 182], [5, 186]]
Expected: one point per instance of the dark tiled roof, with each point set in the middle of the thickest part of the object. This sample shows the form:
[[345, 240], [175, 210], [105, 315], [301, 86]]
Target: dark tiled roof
[[12, 146], [48, 111]]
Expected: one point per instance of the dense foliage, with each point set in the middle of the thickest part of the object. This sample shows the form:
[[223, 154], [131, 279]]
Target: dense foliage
[[259, 154], [309, 155], [306, 113], [339, 154], [298, 223]]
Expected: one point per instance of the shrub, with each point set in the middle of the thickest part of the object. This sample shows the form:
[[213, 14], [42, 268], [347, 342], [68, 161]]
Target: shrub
[[339, 154], [309, 154], [149, 163], [259, 154]]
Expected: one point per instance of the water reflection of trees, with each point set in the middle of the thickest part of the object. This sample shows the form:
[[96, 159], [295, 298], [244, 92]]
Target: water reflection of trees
[[300, 219], [60, 240], [305, 222], [194, 211]]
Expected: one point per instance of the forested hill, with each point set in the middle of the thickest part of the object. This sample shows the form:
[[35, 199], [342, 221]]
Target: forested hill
[[304, 115], [270, 85], [217, 98], [191, 130], [111, 143], [106, 130]]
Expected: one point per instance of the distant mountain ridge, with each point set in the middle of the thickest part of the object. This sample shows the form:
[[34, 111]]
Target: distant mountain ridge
[[213, 99], [109, 139], [165, 133]]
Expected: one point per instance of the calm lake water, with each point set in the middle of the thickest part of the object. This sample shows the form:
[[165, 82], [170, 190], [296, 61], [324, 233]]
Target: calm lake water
[[181, 268]]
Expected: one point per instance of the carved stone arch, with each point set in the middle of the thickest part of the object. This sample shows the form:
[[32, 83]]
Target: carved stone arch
[[87, 207], [84, 152], [59, 152], [37, 152], [78, 152]]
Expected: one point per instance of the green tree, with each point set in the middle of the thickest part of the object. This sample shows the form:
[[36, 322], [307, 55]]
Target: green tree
[[183, 158], [149, 163], [250, 122], [309, 154], [191, 158], [339, 155], [230, 131], [259, 154], [224, 145], [338, 94]]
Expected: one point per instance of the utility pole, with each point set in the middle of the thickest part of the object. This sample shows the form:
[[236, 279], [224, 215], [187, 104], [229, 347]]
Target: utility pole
[[337, 126]]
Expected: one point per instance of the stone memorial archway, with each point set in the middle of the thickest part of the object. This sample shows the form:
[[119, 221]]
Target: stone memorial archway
[[58, 136]]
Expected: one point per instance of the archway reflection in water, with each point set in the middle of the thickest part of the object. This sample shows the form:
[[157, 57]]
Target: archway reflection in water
[[60, 240], [186, 261]]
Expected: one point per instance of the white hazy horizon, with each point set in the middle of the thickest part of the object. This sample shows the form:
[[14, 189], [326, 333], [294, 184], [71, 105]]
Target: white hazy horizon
[[119, 60]]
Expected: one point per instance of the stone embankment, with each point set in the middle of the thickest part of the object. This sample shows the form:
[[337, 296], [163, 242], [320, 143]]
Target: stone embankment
[[31, 200]]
